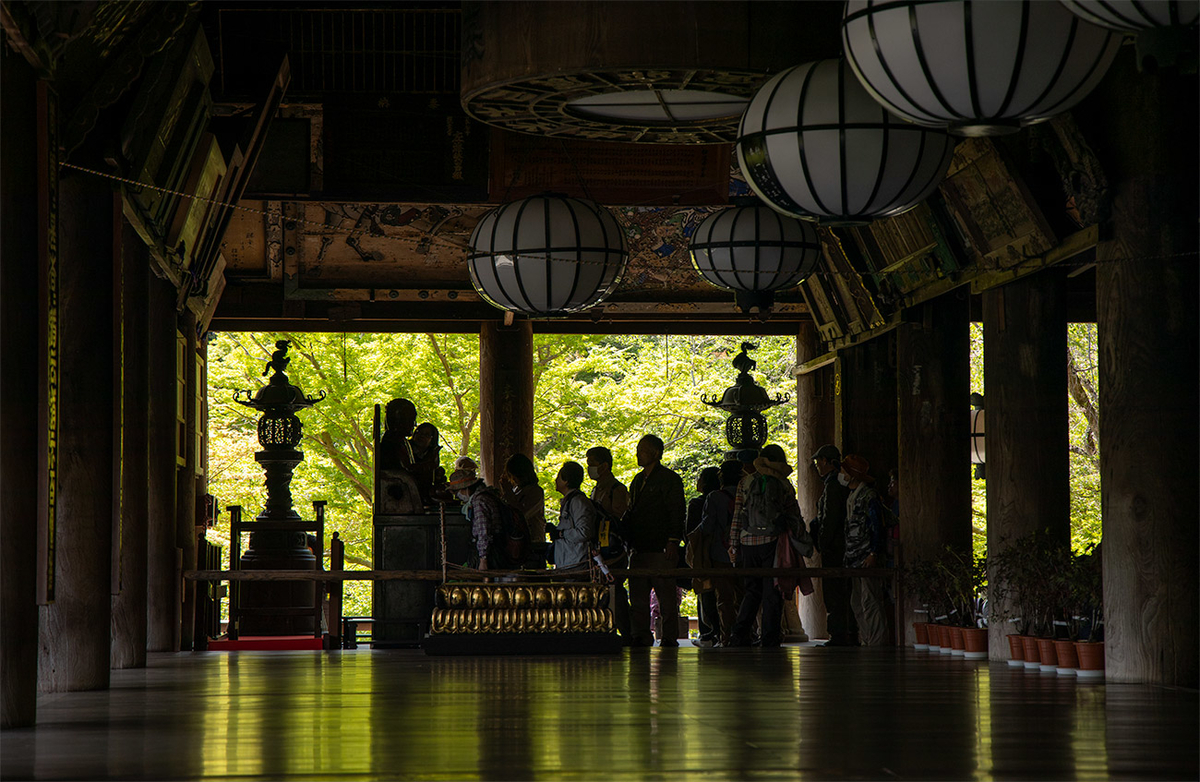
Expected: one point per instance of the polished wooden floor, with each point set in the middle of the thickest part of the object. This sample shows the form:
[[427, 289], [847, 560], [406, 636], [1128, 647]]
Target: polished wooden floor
[[794, 713]]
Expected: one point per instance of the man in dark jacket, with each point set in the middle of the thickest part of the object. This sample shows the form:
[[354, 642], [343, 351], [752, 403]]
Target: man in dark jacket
[[653, 527], [829, 534]]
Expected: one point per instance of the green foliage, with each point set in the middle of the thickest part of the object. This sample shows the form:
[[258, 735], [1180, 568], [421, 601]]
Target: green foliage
[[1030, 587], [951, 587], [1083, 409], [590, 390]]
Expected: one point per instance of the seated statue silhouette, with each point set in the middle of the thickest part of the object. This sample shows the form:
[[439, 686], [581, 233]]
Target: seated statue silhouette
[[399, 492]]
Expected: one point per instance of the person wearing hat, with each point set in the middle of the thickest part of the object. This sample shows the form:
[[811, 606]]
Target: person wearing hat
[[828, 532], [482, 506], [865, 548]]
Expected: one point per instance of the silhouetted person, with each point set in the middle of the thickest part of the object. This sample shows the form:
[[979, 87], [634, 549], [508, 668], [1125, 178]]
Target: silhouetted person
[[865, 548], [828, 532], [653, 526], [765, 507]]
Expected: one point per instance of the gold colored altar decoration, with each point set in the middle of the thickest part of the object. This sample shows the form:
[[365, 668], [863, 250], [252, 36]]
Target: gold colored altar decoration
[[522, 608]]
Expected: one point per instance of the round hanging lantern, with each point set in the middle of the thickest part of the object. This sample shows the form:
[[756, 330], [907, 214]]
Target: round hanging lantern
[[977, 68], [1136, 15], [547, 255], [814, 144], [754, 251]]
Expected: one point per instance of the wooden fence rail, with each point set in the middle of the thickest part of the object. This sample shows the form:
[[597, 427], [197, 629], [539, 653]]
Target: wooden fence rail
[[475, 575]]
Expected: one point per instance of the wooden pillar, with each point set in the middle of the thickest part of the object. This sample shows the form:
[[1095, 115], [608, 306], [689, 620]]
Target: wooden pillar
[[185, 490], [505, 395], [163, 588], [75, 627], [1025, 377], [129, 604], [19, 430], [814, 428], [1146, 305], [933, 356], [865, 399]]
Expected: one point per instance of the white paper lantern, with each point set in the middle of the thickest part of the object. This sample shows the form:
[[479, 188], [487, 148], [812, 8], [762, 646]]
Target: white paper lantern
[[1135, 15], [754, 251], [547, 255], [976, 67], [814, 144]]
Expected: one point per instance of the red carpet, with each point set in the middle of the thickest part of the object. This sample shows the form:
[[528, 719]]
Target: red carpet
[[265, 643]]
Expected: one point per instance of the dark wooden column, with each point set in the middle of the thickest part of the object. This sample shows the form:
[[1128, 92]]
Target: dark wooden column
[[1146, 287], [865, 390], [505, 395], [19, 431], [75, 627], [933, 356], [814, 428], [163, 587], [1025, 382], [129, 604], [185, 490]]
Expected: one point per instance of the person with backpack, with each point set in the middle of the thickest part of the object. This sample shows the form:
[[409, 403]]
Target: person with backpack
[[653, 527], [764, 507], [575, 534], [716, 520], [501, 539], [866, 547]]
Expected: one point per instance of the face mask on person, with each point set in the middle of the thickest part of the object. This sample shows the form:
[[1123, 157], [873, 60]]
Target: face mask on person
[[594, 472], [844, 479]]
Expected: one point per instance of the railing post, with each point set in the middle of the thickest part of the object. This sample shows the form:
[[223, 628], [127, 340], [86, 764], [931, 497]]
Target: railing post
[[337, 562], [235, 563], [318, 564]]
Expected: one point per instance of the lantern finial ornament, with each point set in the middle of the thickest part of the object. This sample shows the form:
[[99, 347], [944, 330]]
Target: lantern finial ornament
[[754, 251], [746, 427], [977, 68], [547, 255], [814, 144]]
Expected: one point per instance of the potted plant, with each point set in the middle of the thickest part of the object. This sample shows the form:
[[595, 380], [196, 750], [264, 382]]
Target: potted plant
[[1026, 592], [922, 580], [1087, 590], [970, 589]]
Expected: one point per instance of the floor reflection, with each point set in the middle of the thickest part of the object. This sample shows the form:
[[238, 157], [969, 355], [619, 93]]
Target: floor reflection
[[795, 713]]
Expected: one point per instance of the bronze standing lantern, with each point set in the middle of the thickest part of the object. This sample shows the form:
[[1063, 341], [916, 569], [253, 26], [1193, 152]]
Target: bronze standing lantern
[[279, 545], [746, 427]]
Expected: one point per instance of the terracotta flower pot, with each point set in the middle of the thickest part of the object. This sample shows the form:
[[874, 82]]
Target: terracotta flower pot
[[921, 630], [1047, 654], [975, 643], [1091, 659], [944, 639], [1068, 660], [1033, 660], [956, 641], [1016, 651]]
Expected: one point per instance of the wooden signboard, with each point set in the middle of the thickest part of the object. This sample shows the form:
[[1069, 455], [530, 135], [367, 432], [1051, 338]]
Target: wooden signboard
[[993, 207]]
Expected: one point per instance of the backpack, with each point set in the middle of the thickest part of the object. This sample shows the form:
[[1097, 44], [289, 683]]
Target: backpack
[[769, 509], [510, 547], [607, 540]]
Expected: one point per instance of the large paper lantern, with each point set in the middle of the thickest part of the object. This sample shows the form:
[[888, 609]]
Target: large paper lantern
[[814, 144], [547, 255], [977, 68], [1136, 15], [754, 251]]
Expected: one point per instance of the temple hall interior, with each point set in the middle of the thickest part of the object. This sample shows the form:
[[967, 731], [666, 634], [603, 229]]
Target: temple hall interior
[[877, 182]]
